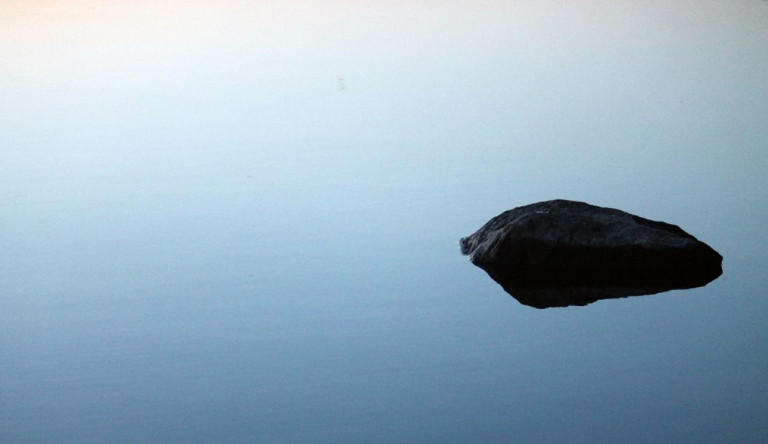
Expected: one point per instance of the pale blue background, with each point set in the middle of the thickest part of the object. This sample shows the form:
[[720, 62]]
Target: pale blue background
[[205, 239]]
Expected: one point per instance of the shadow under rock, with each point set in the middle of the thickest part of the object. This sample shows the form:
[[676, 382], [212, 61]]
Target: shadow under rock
[[562, 289]]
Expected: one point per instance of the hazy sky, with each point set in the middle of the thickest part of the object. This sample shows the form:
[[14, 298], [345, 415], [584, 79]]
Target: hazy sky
[[137, 86], [270, 69]]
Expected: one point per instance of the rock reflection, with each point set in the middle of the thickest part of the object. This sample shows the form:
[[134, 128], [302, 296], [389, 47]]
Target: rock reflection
[[546, 290]]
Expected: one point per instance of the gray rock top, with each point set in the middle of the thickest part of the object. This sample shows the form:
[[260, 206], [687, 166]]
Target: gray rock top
[[561, 242], [540, 233]]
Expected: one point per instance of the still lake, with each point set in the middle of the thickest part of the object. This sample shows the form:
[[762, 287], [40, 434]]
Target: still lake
[[206, 307], [187, 256]]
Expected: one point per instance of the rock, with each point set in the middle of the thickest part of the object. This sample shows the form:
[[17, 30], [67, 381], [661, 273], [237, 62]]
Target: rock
[[549, 290], [561, 252]]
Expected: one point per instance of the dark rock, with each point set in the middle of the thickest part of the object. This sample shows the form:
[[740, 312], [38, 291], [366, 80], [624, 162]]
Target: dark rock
[[546, 289], [560, 253]]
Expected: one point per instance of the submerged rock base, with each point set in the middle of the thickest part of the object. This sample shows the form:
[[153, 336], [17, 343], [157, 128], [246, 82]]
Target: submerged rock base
[[560, 252]]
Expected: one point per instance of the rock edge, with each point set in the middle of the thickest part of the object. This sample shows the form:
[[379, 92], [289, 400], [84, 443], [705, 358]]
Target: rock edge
[[561, 238]]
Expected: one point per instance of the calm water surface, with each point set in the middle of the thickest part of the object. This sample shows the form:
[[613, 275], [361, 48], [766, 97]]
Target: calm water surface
[[223, 245]]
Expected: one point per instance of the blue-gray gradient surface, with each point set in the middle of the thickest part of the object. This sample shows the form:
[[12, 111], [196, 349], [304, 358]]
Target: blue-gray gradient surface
[[226, 221]]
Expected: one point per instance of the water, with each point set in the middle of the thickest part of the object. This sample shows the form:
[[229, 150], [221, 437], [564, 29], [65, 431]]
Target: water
[[206, 240]]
